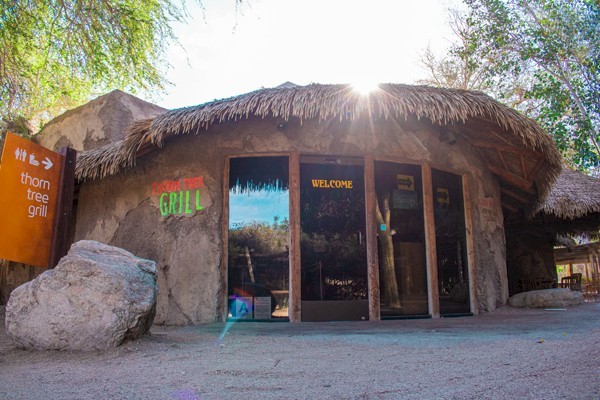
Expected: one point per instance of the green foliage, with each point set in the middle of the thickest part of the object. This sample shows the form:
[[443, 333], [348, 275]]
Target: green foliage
[[55, 54], [543, 58], [259, 237], [555, 46]]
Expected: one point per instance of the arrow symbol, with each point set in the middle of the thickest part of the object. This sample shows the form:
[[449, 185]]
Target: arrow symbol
[[48, 164], [405, 182]]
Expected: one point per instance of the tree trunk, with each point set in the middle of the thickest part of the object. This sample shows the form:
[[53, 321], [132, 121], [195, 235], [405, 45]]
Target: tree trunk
[[249, 262], [388, 268]]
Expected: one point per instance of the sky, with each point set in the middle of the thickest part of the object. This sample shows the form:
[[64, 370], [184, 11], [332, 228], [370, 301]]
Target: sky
[[260, 206], [225, 50]]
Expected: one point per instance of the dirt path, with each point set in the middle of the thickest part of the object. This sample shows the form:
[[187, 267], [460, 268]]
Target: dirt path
[[509, 354]]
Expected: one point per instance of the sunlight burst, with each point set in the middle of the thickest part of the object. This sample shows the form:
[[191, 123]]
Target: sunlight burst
[[365, 87]]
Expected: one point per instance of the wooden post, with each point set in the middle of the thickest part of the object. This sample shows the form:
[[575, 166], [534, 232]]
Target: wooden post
[[587, 271], [596, 276], [470, 244], [371, 236], [224, 299], [295, 274], [433, 293], [61, 230]]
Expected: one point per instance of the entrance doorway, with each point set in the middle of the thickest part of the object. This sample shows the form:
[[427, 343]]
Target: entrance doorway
[[401, 240], [333, 245]]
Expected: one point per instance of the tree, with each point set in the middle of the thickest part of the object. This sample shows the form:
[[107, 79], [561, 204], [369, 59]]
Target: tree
[[543, 58], [55, 54], [458, 69], [388, 265]]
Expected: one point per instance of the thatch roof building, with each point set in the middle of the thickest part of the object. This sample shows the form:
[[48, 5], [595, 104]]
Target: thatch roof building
[[573, 203], [571, 207], [515, 148], [320, 203]]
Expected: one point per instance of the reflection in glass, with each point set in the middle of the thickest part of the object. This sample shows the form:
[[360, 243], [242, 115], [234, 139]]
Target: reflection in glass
[[332, 246], [258, 268], [401, 239], [450, 236]]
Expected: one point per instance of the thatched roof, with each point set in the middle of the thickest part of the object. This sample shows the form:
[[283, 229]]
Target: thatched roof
[[514, 146], [574, 195]]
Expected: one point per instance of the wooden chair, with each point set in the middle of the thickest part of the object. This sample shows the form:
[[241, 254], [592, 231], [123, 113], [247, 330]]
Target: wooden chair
[[572, 282]]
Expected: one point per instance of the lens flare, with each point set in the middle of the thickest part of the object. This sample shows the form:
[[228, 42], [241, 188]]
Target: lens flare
[[365, 86]]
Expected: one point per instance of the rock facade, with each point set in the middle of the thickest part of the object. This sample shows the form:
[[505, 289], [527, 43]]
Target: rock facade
[[547, 298], [123, 211], [97, 123], [96, 297]]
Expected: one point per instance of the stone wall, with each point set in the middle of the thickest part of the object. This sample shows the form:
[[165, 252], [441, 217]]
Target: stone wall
[[122, 211], [97, 123]]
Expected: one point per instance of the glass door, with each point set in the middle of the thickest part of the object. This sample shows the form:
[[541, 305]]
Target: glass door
[[258, 259], [332, 245], [401, 240], [450, 237]]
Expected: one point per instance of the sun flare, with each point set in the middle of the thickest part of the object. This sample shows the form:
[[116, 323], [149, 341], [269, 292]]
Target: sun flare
[[364, 87]]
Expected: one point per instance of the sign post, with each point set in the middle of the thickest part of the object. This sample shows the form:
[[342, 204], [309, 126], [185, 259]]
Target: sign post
[[31, 184], [61, 234]]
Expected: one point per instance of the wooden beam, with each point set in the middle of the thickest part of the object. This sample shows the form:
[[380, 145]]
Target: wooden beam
[[295, 313], [509, 207], [371, 236], [524, 167], [499, 137], [433, 294], [570, 268], [506, 148], [511, 178], [471, 266], [516, 196], [224, 267], [493, 168], [538, 165], [502, 160], [587, 265]]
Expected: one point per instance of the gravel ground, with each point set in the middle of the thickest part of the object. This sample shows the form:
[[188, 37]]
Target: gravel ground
[[508, 354]]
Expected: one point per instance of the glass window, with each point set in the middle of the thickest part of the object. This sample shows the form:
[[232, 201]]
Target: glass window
[[450, 236], [258, 264], [401, 240], [333, 247]]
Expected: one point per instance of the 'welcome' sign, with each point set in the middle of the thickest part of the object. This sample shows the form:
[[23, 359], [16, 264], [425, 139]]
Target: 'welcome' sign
[[331, 183]]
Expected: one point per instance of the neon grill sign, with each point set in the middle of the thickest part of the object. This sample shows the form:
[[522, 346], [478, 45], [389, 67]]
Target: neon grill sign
[[179, 196]]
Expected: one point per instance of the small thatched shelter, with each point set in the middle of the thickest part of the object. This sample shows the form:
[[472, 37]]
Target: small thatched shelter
[[572, 207], [321, 203], [573, 204]]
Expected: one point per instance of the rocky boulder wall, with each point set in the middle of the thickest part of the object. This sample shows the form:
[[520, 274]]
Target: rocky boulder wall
[[96, 297]]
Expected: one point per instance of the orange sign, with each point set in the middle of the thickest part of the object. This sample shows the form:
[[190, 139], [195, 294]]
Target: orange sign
[[29, 180]]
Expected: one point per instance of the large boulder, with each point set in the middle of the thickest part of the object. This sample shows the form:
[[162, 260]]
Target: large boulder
[[96, 297], [547, 298]]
